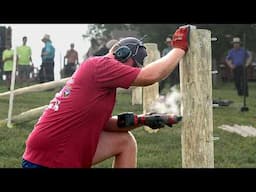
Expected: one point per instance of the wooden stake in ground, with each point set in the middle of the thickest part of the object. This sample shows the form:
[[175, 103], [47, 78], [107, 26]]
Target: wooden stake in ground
[[150, 93], [196, 91], [9, 124], [136, 95]]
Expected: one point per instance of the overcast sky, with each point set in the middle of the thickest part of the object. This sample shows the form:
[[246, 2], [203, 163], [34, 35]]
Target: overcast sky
[[61, 35]]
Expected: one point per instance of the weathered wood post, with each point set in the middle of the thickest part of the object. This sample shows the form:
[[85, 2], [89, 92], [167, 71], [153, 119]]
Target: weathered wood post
[[196, 91], [136, 95], [150, 93], [9, 122]]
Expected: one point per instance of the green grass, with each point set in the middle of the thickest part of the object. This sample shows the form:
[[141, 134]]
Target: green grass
[[156, 150]]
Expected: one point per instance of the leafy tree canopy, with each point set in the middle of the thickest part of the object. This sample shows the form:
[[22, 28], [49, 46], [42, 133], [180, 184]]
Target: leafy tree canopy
[[156, 33]]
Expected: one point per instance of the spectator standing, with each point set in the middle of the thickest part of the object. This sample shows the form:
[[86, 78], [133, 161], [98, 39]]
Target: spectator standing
[[236, 59], [7, 59], [72, 61], [24, 60], [47, 55]]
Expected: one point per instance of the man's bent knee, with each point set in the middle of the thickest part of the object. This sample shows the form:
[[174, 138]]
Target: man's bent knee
[[117, 142], [127, 155], [130, 140]]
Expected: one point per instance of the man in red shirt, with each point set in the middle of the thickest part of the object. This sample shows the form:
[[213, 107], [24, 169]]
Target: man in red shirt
[[77, 130]]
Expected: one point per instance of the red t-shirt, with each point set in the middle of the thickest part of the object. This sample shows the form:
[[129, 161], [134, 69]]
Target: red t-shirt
[[67, 133]]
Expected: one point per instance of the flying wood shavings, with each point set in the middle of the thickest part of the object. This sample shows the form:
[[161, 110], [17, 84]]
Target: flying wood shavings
[[245, 131]]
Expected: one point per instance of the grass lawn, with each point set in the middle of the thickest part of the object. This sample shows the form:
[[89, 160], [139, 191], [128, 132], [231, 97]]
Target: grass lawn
[[156, 150]]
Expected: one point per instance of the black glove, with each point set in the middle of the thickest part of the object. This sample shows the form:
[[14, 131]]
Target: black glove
[[154, 121]]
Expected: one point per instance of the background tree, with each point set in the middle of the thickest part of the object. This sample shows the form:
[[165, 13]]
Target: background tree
[[156, 33]]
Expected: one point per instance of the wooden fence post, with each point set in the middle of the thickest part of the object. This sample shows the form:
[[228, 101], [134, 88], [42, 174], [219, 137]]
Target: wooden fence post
[[9, 122], [136, 95], [196, 102], [150, 93]]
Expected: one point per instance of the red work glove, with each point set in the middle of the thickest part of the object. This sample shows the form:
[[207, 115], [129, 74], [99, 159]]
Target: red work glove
[[180, 38]]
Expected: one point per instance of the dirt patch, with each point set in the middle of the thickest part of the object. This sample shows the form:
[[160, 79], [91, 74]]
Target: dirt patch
[[245, 131]]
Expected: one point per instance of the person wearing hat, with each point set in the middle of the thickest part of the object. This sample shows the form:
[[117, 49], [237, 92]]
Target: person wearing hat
[[47, 55], [72, 61], [77, 130], [236, 59]]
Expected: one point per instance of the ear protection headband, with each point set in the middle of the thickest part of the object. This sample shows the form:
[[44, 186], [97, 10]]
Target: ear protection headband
[[123, 53], [130, 47]]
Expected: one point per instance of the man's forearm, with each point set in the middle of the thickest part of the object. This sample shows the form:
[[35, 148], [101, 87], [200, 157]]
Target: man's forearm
[[229, 63], [159, 69], [112, 126], [164, 66]]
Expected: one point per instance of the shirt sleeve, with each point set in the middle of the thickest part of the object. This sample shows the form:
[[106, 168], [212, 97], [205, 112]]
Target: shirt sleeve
[[228, 57], [50, 51], [113, 74], [247, 54]]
